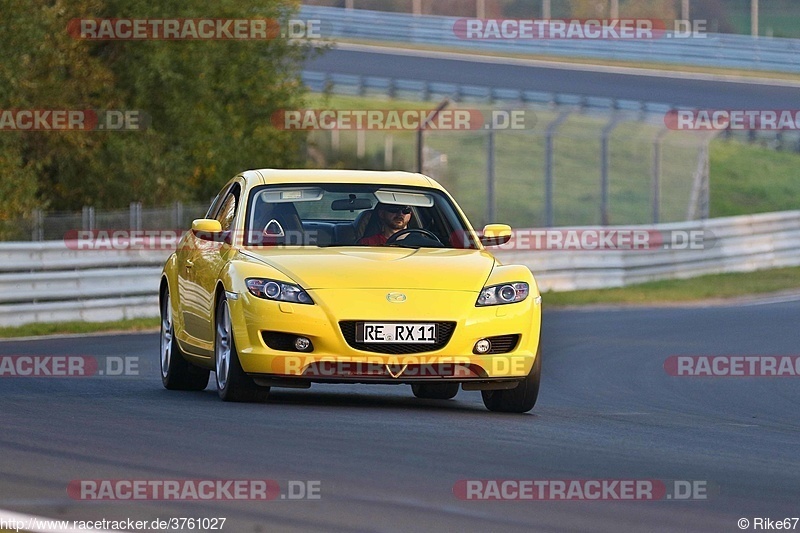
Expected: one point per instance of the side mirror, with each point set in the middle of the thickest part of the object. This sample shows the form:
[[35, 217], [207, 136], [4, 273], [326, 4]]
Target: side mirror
[[207, 229], [496, 234]]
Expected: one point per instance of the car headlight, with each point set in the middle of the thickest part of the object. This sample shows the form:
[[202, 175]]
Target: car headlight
[[506, 293], [278, 290]]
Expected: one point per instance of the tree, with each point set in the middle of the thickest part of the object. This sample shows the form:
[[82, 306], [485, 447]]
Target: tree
[[209, 103]]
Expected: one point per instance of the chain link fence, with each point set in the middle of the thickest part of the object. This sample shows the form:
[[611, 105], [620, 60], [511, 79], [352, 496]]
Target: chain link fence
[[60, 225], [573, 167]]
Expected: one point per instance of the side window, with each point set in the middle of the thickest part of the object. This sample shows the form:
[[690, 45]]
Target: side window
[[228, 211], [214, 205]]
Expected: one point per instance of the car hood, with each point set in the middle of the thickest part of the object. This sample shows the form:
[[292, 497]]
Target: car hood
[[380, 268]]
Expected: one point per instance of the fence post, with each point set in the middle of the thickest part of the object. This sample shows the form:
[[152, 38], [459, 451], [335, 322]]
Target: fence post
[[695, 198], [605, 219], [705, 193], [548, 167], [37, 219], [361, 144], [388, 151], [754, 18], [87, 218], [480, 9], [657, 143], [491, 202], [136, 216], [421, 134], [335, 141], [177, 215]]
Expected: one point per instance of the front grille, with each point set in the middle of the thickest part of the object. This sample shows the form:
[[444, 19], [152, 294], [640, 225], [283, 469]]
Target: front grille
[[444, 330], [503, 343]]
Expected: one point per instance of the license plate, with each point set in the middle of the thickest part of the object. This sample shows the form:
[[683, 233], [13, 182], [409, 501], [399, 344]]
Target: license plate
[[385, 332]]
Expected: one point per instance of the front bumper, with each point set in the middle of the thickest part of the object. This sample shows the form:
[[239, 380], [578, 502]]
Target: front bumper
[[334, 360]]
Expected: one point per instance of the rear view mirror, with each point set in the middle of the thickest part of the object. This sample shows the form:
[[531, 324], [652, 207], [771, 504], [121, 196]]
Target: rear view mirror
[[351, 204]]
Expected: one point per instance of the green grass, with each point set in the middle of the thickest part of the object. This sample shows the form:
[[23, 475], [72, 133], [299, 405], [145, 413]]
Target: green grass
[[780, 25], [748, 179], [701, 288], [30, 330]]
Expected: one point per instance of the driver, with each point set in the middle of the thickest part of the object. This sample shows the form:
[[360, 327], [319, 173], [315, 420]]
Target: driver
[[393, 218]]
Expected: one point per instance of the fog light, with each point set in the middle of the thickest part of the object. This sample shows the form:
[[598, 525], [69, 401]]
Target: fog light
[[302, 344], [483, 346]]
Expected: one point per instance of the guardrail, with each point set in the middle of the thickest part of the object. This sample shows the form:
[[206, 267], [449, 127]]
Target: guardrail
[[351, 84], [731, 244], [50, 282], [715, 50], [56, 282]]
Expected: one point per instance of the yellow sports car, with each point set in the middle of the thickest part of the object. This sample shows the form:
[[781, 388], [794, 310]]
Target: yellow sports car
[[302, 276]]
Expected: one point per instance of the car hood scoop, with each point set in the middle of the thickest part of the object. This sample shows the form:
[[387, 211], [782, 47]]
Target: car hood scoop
[[380, 268]]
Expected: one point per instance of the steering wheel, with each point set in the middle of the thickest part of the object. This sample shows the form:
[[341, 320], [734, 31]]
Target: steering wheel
[[394, 238]]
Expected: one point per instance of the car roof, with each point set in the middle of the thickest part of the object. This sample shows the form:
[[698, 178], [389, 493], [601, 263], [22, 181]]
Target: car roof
[[372, 177]]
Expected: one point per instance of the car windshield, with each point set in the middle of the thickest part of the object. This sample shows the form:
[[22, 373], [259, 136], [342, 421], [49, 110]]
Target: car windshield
[[343, 215]]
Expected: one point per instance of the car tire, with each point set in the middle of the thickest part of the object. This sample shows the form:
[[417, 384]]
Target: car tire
[[176, 372], [435, 391], [233, 384], [520, 399]]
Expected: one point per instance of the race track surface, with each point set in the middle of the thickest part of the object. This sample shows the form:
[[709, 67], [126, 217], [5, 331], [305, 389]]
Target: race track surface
[[388, 462], [710, 94]]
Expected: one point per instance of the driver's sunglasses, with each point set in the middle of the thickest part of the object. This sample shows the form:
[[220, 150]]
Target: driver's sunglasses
[[398, 209]]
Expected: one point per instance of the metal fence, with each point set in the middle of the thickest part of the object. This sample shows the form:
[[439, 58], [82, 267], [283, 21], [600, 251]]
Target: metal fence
[[712, 50], [581, 160], [42, 226]]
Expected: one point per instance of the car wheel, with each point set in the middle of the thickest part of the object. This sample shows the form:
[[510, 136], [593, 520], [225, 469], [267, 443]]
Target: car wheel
[[435, 391], [520, 399], [176, 372], [233, 384]]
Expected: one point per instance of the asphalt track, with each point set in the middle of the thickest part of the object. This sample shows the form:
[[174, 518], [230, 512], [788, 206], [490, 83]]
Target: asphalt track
[[699, 93], [388, 462]]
